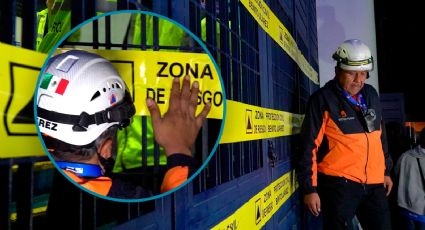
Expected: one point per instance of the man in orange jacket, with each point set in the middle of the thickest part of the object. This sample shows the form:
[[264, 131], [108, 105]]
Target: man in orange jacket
[[82, 101], [344, 167]]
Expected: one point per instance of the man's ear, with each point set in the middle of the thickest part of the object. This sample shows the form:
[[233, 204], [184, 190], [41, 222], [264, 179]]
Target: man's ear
[[337, 69], [105, 149]]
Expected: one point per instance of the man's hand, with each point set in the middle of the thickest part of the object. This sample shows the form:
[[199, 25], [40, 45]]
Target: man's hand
[[312, 202], [388, 184], [178, 129]]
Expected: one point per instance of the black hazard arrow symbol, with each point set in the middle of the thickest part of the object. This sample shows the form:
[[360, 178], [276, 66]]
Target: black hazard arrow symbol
[[248, 117], [249, 126], [257, 211], [258, 215]]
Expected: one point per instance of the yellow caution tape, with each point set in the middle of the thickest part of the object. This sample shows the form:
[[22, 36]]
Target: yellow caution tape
[[278, 32], [247, 122], [150, 73], [37, 166], [19, 69], [35, 212], [255, 213], [147, 73]]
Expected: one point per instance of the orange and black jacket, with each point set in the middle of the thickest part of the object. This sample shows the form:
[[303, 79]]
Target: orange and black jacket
[[179, 168], [336, 141]]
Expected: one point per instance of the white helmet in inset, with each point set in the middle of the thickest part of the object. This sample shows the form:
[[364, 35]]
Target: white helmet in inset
[[353, 55], [81, 95]]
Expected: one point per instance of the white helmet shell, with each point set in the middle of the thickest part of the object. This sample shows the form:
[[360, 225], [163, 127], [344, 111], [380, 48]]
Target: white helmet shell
[[78, 83], [353, 55]]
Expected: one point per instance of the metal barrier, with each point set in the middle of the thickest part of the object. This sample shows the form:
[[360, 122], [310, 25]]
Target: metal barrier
[[24, 182], [255, 70], [229, 38], [24, 185], [24, 204]]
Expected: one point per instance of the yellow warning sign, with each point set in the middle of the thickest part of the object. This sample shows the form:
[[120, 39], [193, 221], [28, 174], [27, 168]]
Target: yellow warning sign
[[278, 32], [255, 213], [19, 69], [259, 123], [151, 73]]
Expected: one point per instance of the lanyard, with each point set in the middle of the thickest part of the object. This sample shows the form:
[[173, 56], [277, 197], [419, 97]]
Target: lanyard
[[80, 169], [360, 102]]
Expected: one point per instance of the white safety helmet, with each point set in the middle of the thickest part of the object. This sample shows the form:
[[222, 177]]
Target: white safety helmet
[[353, 55], [79, 96]]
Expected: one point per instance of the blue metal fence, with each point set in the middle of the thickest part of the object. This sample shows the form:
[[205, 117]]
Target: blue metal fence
[[255, 71]]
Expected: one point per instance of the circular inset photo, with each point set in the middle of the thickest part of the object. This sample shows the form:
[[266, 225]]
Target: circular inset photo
[[131, 108]]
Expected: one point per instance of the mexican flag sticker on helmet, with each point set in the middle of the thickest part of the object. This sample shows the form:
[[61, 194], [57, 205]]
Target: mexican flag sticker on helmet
[[54, 83]]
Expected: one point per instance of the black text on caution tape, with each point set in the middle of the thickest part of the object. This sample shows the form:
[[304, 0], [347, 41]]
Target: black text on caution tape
[[204, 97], [176, 69], [269, 207]]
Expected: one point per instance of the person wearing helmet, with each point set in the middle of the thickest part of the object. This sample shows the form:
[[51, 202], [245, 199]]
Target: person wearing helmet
[[344, 166], [81, 103]]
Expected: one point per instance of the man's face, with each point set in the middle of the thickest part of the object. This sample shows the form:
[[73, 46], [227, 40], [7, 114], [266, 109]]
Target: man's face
[[350, 80]]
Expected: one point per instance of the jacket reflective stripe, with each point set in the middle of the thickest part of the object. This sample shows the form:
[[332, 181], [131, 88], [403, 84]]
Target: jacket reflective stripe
[[41, 24]]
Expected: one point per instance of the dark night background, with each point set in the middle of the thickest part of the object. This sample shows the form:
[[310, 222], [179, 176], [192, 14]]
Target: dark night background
[[401, 48]]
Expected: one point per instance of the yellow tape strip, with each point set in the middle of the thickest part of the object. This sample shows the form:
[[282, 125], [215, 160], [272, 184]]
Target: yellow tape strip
[[147, 72], [38, 166], [255, 213], [35, 211], [247, 122], [278, 32], [153, 72], [19, 69]]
